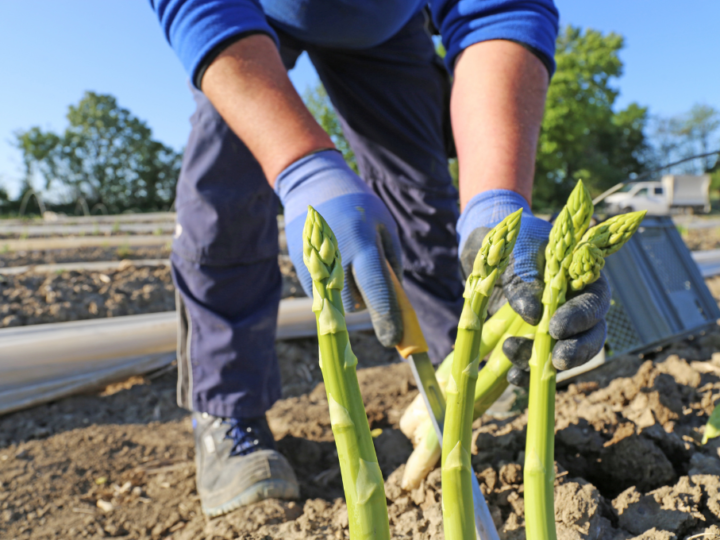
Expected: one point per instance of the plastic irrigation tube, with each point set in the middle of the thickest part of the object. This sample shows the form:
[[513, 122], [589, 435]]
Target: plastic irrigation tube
[[84, 241], [87, 266], [45, 230], [52, 218], [708, 262], [113, 218], [44, 362]]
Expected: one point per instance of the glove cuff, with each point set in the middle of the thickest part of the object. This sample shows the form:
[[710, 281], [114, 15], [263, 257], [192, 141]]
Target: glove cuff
[[489, 208], [314, 179]]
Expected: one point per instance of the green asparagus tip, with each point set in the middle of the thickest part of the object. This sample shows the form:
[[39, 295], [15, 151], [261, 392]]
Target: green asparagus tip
[[581, 208], [612, 234], [320, 252], [587, 262], [712, 428], [496, 248], [560, 244]]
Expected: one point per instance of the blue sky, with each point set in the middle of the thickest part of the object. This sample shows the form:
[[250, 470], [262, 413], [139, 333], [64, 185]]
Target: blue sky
[[52, 51]]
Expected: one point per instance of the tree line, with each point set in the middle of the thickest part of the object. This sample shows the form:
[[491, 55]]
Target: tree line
[[108, 157]]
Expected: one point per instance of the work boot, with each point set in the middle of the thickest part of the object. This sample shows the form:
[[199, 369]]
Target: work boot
[[238, 464]]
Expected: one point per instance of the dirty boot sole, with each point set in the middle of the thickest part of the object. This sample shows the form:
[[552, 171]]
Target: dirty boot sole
[[267, 489], [227, 484]]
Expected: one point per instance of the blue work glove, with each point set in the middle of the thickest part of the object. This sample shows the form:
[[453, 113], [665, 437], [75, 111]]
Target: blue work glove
[[578, 325], [366, 233]]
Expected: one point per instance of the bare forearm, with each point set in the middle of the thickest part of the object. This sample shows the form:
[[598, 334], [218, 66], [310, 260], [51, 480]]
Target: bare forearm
[[497, 106], [248, 85]]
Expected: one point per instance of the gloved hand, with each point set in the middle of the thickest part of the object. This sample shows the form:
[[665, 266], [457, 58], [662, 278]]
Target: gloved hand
[[365, 230], [578, 325]]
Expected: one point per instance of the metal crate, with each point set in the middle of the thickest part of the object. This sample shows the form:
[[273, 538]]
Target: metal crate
[[659, 295]]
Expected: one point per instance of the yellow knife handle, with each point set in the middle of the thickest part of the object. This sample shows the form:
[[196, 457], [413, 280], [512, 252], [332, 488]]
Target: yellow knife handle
[[413, 340]]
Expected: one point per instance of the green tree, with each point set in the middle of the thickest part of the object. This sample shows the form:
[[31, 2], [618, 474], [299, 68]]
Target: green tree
[[582, 137], [4, 196], [319, 105], [106, 155]]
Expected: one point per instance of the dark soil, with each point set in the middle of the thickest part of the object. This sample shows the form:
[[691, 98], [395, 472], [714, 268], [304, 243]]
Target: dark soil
[[120, 463], [52, 256], [37, 298], [701, 239]]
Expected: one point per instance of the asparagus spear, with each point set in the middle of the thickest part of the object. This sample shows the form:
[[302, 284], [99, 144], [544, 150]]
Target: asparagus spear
[[456, 470], [491, 383], [416, 413], [492, 379], [712, 428], [568, 229], [572, 257], [361, 476]]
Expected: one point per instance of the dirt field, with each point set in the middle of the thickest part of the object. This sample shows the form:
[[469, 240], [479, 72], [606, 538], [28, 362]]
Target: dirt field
[[52, 256], [701, 239], [37, 298], [119, 463]]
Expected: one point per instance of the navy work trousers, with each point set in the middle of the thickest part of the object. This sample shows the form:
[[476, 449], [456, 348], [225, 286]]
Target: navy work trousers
[[392, 102]]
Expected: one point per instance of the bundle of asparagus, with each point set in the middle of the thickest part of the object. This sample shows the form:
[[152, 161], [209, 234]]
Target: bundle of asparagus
[[574, 257]]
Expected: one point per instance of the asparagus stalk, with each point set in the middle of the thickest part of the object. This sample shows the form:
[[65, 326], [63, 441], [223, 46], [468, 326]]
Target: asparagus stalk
[[492, 379], [361, 476], [712, 428], [416, 413], [491, 383], [573, 258], [457, 500], [539, 471]]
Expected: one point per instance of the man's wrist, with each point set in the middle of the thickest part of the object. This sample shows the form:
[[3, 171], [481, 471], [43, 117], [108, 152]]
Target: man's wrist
[[489, 208], [494, 205], [248, 85], [314, 179]]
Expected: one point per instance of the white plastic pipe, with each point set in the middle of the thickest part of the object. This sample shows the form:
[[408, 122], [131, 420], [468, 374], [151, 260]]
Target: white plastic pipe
[[44, 230], [91, 266], [708, 262], [84, 241], [51, 218], [44, 362]]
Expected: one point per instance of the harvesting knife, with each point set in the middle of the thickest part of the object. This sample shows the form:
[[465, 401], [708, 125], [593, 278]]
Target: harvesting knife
[[413, 348]]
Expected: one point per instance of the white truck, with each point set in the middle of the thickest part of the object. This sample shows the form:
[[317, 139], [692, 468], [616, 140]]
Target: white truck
[[673, 193]]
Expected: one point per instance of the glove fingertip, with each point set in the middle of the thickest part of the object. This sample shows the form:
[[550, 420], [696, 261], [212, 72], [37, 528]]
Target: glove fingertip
[[525, 299], [529, 309], [518, 377], [377, 291], [388, 328], [560, 327], [574, 352], [518, 350]]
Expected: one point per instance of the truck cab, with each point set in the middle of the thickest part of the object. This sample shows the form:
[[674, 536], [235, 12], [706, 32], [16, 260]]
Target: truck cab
[[672, 193], [638, 196]]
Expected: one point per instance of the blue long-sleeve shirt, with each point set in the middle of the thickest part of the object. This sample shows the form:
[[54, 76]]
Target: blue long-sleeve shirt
[[196, 28]]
